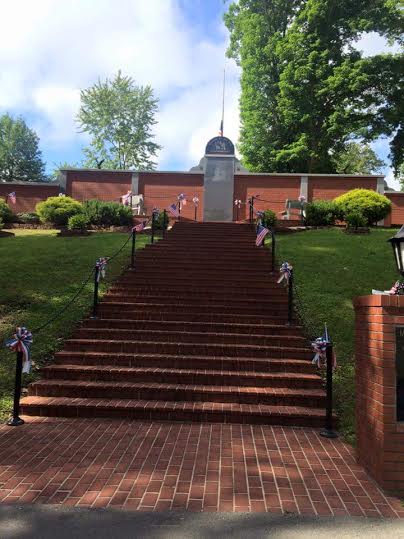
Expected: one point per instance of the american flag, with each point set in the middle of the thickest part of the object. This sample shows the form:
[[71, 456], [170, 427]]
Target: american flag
[[12, 197], [261, 233], [139, 227], [173, 210]]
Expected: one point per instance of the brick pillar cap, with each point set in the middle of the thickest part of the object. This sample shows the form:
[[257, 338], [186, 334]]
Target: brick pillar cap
[[379, 301]]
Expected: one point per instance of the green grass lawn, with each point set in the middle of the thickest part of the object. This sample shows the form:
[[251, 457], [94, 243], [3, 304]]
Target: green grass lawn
[[330, 269], [39, 273]]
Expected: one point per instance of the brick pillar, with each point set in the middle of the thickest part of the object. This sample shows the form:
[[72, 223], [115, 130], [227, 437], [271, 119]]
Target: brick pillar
[[380, 436]]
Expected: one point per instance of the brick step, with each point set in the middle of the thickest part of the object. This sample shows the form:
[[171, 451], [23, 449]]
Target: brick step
[[143, 279], [195, 293], [161, 334], [277, 309], [182, 376], [175, 361], [226, 251], [184, 299], [275, 396], [113, 311], [213, 272], [174, 411], [185, 348], [180, 326]]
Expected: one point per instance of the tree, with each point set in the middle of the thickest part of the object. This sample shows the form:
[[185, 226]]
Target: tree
[[119, 116], [20, 157], [357, 158], [306, 91], [58, 167]]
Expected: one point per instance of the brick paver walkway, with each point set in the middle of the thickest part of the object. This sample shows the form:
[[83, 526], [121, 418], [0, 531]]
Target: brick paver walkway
[[163, 466]]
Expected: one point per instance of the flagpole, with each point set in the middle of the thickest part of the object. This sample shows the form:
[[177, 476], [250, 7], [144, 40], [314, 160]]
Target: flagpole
[[224, 85]]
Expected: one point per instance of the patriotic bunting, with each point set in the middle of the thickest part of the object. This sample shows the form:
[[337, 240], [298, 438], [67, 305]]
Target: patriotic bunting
[[173, 210], [101, 264], [21, 342], [182, 200], [12, 197], [261, 233], [140, 227], [195, 200], [301, 199], [319, 347], [285, 272], [126, 198], [237, 203]]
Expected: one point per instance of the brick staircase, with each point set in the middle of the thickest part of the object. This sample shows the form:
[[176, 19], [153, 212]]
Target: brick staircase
[[196, 333]]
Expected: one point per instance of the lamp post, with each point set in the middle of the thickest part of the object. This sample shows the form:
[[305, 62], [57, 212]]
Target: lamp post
[[397, 242]]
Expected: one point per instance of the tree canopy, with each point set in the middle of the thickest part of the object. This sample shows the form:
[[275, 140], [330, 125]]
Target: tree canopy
[[20, 157], [119, 117], [306, 91]]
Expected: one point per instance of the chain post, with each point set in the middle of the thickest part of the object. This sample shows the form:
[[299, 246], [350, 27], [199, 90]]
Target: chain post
[[165, 224], [290, 298], [328, 431], [273, 250], [96, 283], [16, 420], [132, 254]]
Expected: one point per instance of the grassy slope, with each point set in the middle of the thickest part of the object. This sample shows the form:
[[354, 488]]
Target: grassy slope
[[330, 269], [39, 272]]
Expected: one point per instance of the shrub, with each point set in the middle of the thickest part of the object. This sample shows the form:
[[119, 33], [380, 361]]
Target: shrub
[[159, 222], [320, 213], [6, 215], [1, 224], [57, 210], [269, 219], [28, 218], [373, 206], [355, 219], [103, 213], [77, 222]]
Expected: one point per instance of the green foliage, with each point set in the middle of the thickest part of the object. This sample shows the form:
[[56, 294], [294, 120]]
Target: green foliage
[[20, 157], [28, 218], [6, 215], [1, 224], [58, 167], [269, 219], [320, 213], [344, 266], [356, 158], [119, 117], [355, 219], [77, 222], [159, 222], [102, 213], [305, 90], [57, 210], [373, 206]]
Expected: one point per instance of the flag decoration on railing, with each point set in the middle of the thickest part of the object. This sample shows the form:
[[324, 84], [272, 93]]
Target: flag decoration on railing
[[173, 210], [261, 233], [237, 203], [21, 342], [319, 347], [61, 195], [396, 290], [155, 211], [140, 227], [126, 198], [101, 264], [182, 200], [285, 272], [12, 197], [195, 200], [302, 199]]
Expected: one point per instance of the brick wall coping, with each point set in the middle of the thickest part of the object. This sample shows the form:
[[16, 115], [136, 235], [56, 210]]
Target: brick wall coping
[[399, 193], [42, 184], [131, 171], [379, 301]]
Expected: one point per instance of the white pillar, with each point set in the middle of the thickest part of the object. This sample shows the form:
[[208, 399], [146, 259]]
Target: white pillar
[[135, 183], [304, 187]]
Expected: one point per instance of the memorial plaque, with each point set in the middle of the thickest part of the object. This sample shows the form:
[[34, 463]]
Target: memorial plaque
[[400, 372], [220, 146]]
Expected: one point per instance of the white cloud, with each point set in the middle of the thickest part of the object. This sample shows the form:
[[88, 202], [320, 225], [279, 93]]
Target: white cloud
[[50, 49]]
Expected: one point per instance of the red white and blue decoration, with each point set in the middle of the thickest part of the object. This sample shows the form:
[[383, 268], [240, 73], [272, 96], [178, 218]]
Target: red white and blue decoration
[[173, 210], [101, 264], [396, 290], [261, 233], [126, 198], [302, 199], [285, 272], [182, 200], [140, 227], [195, 200], [237, 203], [21, 342], [12, 198], [155, 212], [319, 347]]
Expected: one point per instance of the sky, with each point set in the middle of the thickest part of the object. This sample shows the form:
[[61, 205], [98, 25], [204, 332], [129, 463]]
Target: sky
[[50, 49]]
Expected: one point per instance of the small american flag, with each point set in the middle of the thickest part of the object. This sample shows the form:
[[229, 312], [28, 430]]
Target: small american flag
[[140, 226], [12, 197], [173, 210], [261, 233]]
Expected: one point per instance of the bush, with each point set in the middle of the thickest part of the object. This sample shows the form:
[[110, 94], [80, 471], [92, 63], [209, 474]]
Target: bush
[[320, 213], [1, 224], [355, 219], [159, 222], [103, 213], [6, 215], [269, 219], [373, 206], [28, 218], [77, 222], [57, 210]]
